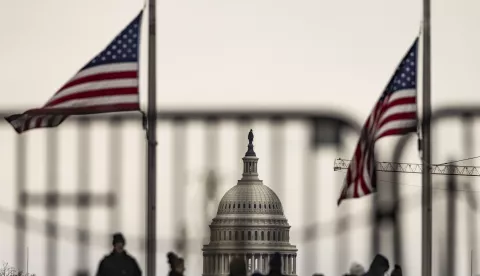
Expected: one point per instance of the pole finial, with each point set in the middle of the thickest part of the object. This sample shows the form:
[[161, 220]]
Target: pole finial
[[250, 151]]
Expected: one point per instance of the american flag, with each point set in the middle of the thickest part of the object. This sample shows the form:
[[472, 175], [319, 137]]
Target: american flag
[[394, 114], [108, 83]]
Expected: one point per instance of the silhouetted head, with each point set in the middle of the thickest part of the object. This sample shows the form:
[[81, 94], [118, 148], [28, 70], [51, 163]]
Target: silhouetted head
[[276, 262], [118, 242], [257, 273], [357, 269], [397, 271], [379, 265], [238, 267], [172, 259]]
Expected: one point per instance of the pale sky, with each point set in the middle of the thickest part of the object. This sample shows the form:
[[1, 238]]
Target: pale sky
[[328, 55]]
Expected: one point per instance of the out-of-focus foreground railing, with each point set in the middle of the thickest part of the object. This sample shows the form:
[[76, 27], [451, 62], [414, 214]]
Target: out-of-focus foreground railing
[[323, 129]]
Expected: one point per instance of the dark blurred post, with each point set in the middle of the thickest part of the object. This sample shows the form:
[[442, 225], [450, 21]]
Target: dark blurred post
[[343, 222], [451, 223], [471, 198], [115, 179], [211, 187], [52, 203], [426, 148], [323, 133], [151, 229], [309, 199], [278, 156], [20, 218], [179, 182], [83, 189], [211, 182]]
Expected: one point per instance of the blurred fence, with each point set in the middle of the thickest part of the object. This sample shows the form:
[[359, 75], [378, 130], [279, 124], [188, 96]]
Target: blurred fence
[[325, 130]]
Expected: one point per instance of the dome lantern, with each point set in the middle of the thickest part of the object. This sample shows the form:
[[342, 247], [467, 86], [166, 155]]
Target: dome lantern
[[250, 163]]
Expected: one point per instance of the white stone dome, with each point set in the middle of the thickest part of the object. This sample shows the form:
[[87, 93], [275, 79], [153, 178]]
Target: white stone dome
[[250, 198], [250, 224]]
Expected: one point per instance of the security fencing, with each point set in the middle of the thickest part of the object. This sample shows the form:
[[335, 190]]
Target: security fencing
[[207, 142]]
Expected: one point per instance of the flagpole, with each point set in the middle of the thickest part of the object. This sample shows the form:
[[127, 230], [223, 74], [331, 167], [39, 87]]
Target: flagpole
[[426, 147], [151, 216]]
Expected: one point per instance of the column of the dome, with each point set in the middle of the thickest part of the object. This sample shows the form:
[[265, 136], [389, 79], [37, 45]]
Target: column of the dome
[[294, 264], [212, 262], [252, 263], [220, 264], [207, 261], [214, 266], [203, 268], [229, 260], [211, 266], [226, 263], [246, 261], [265, 262], [252, 266], [207, 269], [206, 265], [289, 264], [268, 259], [286, 264], [260, 263]]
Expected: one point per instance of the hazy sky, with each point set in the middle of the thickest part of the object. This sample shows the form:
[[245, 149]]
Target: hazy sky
[[330, 55]]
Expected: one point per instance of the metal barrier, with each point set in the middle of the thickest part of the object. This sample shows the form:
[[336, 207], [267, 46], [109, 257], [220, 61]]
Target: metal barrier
[[325, 129]]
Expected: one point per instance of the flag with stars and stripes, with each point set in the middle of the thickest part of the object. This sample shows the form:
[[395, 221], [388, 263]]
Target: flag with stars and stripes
[[394, 114], [108, 83]]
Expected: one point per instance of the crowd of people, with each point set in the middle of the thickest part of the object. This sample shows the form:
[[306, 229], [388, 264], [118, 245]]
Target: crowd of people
[[119, 263]]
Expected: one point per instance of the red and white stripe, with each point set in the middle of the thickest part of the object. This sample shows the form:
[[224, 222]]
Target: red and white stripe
[[393, 115], [104, 88]]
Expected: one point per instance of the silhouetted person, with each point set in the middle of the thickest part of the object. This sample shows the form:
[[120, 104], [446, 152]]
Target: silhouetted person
[[275, 265], [118, 262], [238, 267], [397, 271], [378, 267], [177, 265]]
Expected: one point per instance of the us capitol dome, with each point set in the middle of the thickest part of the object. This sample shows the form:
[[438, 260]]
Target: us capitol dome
[[250, 224]]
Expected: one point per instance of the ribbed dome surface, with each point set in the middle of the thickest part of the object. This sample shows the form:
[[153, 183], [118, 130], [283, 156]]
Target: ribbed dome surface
[[250, 198]]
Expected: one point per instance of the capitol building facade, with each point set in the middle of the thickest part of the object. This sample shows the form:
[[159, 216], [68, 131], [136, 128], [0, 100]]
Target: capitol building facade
[[249, 224]]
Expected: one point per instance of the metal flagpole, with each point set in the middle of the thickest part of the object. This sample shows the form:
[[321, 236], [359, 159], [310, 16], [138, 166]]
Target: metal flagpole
[[426, 148], [151, 231]]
